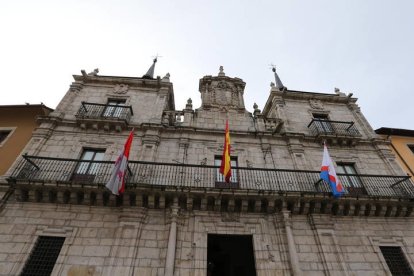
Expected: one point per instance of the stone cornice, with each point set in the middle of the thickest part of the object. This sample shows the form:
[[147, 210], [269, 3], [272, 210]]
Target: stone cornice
[[207, 79], [304, 96], [224, 200], [131, 81]]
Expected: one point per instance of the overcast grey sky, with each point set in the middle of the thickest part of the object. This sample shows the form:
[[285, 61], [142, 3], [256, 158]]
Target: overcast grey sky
[[363, 47]]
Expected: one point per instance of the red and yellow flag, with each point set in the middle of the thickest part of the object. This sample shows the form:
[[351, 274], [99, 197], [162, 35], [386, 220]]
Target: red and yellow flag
[[117, 181], [225, 168]]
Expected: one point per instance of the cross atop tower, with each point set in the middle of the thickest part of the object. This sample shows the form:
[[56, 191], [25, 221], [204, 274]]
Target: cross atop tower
[[279, 84]]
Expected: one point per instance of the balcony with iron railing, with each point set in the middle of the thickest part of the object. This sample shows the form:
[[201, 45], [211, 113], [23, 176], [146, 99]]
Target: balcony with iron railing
[[55, 172], [104, 115], [326, 129]]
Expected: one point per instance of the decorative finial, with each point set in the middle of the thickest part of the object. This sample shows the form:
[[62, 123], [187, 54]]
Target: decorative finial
[[256, 109], [189, 104], [279, 84], [272, 84], [221, 73]]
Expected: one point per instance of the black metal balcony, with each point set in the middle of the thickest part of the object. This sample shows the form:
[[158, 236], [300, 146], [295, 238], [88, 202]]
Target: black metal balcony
[[326, 128], [73, 172], [104, 113]]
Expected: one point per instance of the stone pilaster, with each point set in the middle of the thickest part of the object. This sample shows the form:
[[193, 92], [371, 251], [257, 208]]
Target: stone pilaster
[[172, 240], [293, 256], [130, 227]]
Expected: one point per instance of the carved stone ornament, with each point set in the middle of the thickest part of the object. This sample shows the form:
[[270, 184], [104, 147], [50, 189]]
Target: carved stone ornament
[[222, 91], [223, 85], [121, 88], [223, 94], [94, 72], [316, 104]]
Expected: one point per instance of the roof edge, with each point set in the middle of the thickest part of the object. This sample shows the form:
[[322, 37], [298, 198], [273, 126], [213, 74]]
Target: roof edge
[[395, 131]]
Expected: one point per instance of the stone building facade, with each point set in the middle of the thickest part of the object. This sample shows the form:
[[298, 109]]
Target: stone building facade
[[177, 215]]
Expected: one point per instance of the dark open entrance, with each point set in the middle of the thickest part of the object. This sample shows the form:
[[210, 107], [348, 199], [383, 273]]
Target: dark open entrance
[[230, 255]]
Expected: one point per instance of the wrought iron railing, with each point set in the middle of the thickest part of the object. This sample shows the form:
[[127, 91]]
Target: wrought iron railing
[[336, 128], [54, 171], [104, 111]]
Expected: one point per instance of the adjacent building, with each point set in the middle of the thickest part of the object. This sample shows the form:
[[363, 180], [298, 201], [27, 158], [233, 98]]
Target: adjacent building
[[402, 143], [178, 216], [17, 123]]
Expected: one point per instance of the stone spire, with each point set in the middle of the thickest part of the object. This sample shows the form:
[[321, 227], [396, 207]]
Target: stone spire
[[279, 84], [150, 72]]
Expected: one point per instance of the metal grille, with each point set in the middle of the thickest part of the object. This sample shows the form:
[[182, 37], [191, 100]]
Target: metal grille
[[141, 174], [319, 126], [111, 111], [43, 256], [396, 261]]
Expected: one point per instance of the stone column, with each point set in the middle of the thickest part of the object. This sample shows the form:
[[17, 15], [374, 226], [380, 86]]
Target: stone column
[[172, 240], [293, 256]]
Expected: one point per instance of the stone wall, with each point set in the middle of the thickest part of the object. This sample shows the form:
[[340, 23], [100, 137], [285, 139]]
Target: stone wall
[[133, 241]]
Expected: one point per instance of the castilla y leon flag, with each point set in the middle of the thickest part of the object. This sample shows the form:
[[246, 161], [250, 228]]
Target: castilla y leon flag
[[329, 175], [225, 168], [117, 181]]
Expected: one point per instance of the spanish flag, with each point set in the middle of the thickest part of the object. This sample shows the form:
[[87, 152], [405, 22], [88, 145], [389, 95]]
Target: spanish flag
[[225, 168]]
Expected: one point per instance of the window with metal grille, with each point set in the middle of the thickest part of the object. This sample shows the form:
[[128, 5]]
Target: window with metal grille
[[396, 261], [43, 257]]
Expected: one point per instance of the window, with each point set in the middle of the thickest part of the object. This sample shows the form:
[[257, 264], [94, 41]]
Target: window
[[396, 261], [350, 180], [114, 108], [43, 257], [4, 134], [220, 181], [411, 147], [322, 123], [86, 171]]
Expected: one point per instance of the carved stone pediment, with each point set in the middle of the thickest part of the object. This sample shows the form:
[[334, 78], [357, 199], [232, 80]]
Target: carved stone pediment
[[222, 92]]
